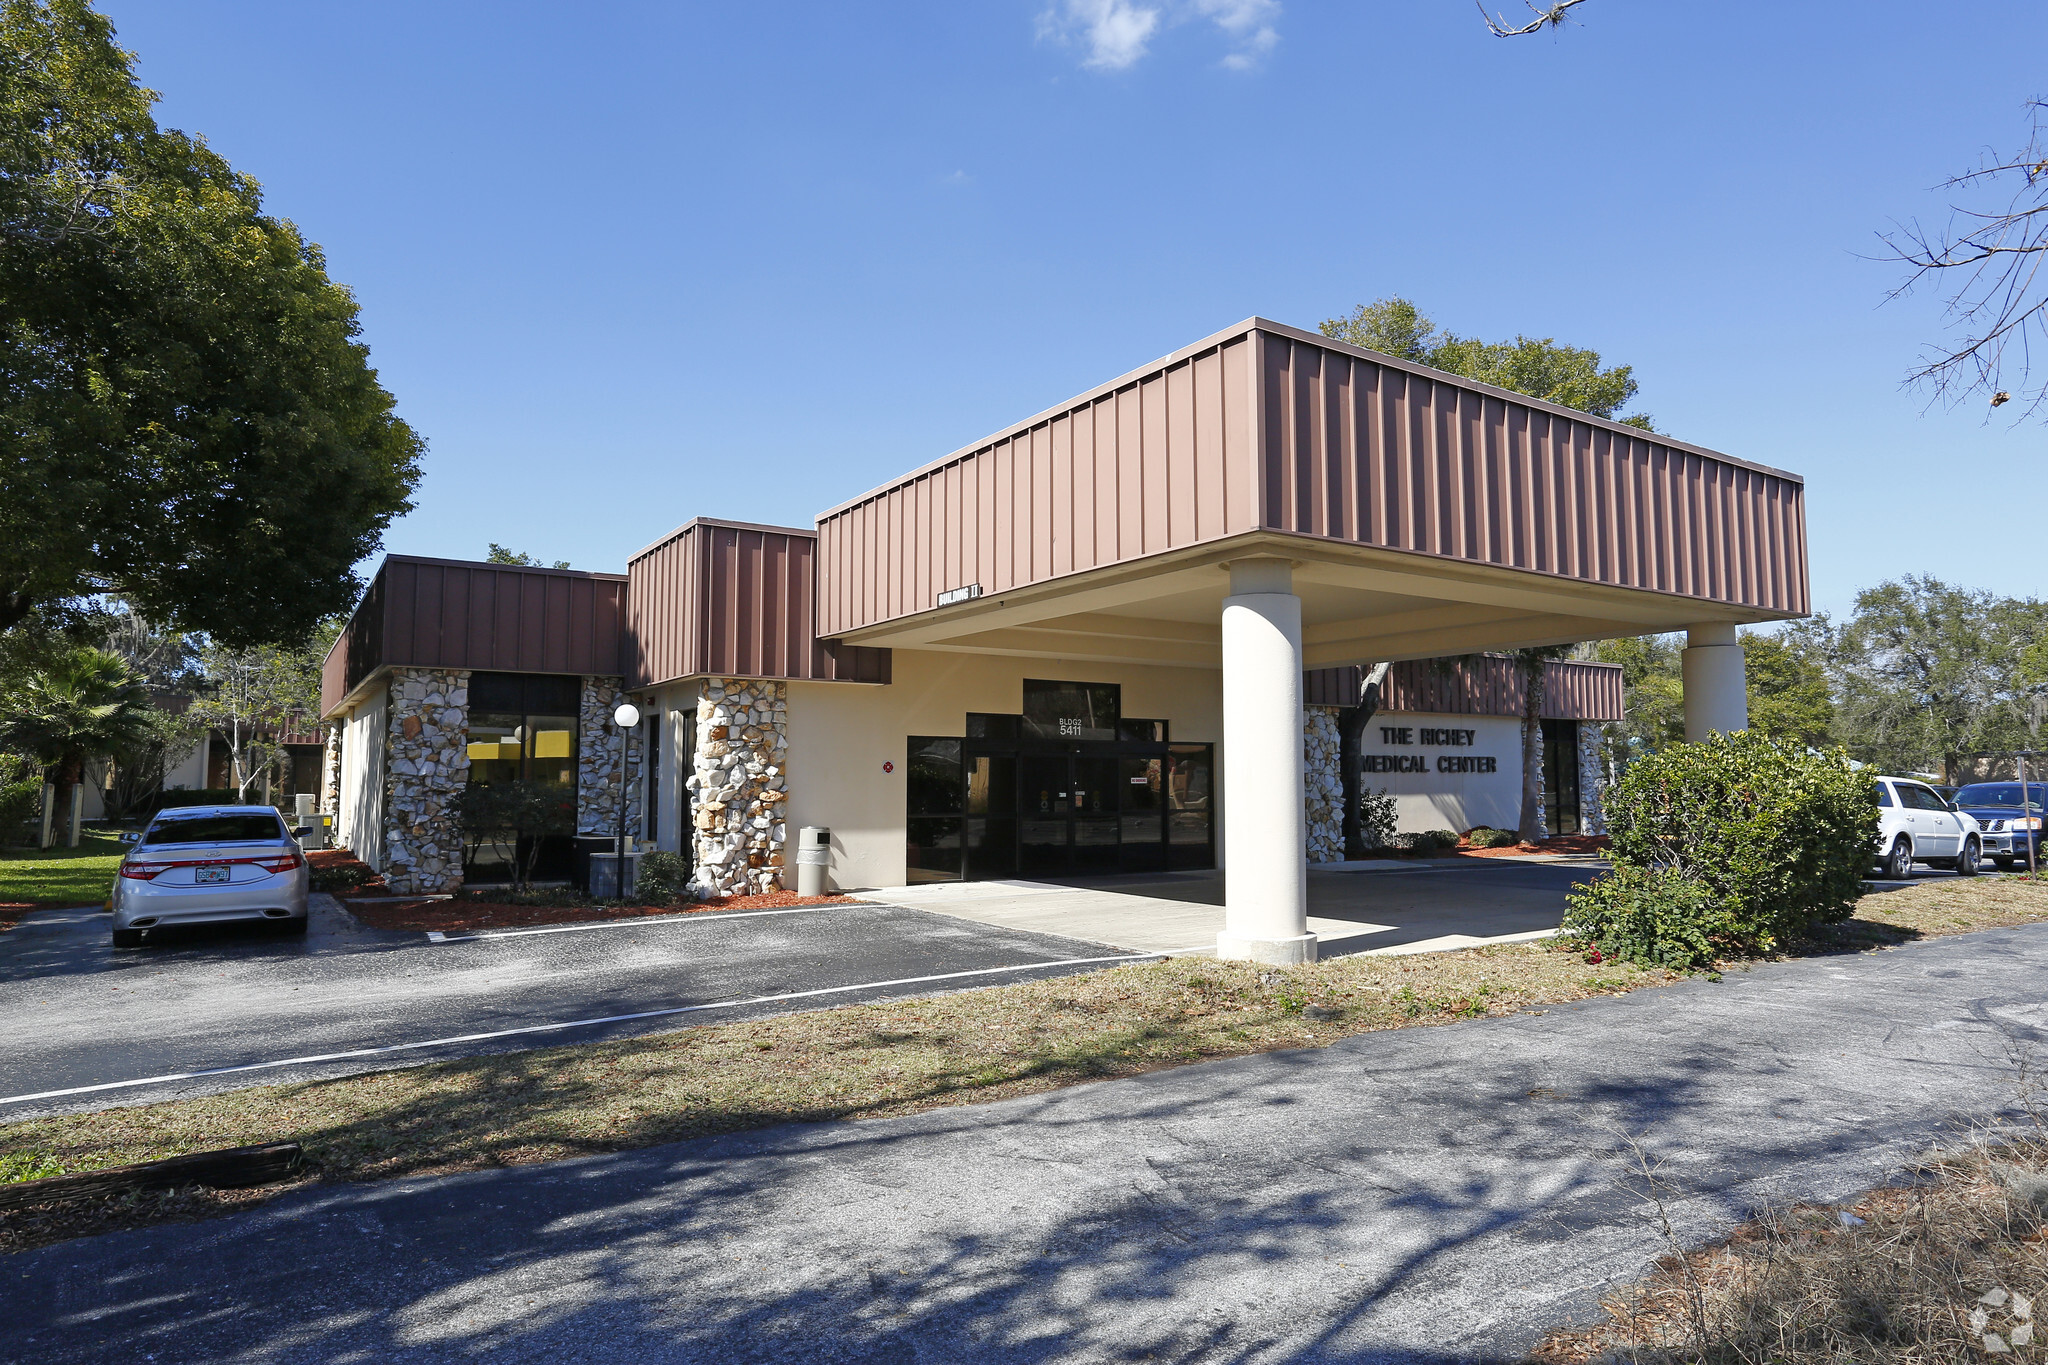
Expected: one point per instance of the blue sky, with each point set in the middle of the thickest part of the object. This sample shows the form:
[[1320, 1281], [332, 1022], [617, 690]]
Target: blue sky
[[627, 264]]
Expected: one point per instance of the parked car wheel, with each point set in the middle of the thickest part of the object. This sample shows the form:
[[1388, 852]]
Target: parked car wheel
[[1973, 853], [1898, 864], [127, 938]]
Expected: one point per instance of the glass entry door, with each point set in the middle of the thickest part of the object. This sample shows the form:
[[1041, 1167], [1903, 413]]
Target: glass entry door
[[1081, 814]]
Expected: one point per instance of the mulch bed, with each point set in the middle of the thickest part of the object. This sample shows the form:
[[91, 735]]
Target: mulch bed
[[473, 911], [1577, 845]]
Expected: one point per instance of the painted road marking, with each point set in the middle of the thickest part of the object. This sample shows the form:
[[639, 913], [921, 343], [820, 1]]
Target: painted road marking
[[567, 1024]]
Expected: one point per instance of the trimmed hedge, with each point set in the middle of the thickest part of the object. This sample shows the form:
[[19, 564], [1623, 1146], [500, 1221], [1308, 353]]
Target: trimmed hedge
[[1486, 836], [1780, 836]]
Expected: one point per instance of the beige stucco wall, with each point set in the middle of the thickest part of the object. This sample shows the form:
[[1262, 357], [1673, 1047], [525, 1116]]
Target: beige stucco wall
[[1453, 801], [840, 735]]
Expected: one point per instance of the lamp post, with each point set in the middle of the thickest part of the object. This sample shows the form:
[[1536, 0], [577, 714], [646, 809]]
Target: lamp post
[[625, 717]]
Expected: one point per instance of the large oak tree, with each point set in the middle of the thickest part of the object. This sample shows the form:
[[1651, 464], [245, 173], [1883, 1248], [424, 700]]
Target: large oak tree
[[186, 415]]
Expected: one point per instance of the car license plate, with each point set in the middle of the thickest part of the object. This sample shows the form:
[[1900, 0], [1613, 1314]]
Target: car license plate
[[203, 875]]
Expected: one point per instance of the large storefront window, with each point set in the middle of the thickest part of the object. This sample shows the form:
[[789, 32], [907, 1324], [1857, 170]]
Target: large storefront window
[[1069, 787], [522, 727]]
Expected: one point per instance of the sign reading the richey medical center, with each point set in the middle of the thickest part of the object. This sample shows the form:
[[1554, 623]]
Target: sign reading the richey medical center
[[1429, 736]]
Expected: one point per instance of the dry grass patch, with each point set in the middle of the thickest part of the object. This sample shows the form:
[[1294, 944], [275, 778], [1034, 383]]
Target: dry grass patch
[[861, 1061], [1947, 1267], [1935, 909]]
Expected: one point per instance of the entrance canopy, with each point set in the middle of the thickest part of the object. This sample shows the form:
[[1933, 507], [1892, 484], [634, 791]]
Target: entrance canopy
[[1423, 514]]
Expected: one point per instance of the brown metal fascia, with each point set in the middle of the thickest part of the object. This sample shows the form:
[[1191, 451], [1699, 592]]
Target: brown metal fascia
[[499, 568], [1080, 400], [1507, 396], [808, 532]]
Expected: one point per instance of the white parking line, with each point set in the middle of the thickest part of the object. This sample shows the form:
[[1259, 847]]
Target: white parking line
[[567, 1024], [648, 921]]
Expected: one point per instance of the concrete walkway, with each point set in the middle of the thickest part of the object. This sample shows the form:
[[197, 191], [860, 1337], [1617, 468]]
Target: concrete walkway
[[1379, 907], [1423, 1195]]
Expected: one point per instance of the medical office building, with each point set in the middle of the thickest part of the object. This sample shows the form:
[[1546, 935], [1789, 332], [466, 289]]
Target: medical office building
[[1113, 637]]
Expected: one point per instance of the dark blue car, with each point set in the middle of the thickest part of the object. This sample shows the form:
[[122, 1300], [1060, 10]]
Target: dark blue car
[[2009, 827]]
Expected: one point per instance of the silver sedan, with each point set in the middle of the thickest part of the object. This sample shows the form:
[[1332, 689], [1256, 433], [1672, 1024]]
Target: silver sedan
[[210, 865]]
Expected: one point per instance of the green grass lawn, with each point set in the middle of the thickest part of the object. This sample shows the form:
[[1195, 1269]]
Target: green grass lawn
[[60, 876]]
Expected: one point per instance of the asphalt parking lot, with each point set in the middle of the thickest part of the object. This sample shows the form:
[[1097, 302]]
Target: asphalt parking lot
[[79, 1014], [90, 1027]]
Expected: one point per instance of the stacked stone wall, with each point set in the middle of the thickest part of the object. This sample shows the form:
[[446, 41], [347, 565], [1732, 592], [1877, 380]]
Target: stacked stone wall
[[597, 763], [1592, 781], [1323, 784], [740, 786], [426, 768]]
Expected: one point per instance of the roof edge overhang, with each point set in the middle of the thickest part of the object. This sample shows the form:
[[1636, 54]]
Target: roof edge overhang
[[1631, 611], [808, 532], [1259, 324]]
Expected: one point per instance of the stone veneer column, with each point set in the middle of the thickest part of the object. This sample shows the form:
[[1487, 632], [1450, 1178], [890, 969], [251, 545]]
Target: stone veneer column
[[330, 770], [426, 768], [1592, 780], [597, 764], [1323, 784], [740, 785]]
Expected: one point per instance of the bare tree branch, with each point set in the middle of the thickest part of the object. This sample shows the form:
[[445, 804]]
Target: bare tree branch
[[1552, 17], [1991, 261]]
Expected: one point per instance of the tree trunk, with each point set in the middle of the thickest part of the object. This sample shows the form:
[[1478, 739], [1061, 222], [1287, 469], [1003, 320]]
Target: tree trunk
[[1531, 829], [1351, 723]]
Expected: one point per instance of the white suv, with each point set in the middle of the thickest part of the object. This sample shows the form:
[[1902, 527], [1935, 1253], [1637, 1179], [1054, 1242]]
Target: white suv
[[1915, 825]]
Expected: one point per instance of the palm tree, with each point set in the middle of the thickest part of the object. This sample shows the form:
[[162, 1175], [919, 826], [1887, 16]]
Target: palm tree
[[1534, 666], [79, 705]]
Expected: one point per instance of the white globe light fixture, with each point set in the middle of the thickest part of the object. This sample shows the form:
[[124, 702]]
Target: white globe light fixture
[[626, 716]]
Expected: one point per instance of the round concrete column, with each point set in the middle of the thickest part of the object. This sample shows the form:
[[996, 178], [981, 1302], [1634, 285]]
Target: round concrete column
[[1716, 687], [1265, 836]]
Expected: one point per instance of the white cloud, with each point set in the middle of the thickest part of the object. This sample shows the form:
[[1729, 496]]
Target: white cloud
[[1117, 33], [1249, 24]]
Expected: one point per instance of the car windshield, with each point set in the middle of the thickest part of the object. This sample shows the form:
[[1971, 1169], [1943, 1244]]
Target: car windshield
[[2002, 794], [215, 829]]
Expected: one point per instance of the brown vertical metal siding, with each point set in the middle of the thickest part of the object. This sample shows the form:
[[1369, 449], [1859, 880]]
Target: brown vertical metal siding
[[438, 613], [1268, 428], [1161, 460], [729, 600], [1490, 686], [1371, 453]]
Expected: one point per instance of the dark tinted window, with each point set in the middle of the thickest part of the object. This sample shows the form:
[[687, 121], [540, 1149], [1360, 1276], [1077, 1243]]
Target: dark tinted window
[[215, 829], [1920, 798], [2006, 794], [1884, 794], [1069, 710]]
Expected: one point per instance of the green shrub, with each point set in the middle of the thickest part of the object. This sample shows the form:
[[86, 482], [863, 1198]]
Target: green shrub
[[1780, 835], [1376, 818], [1425, 841], [21, 798], [1657, 916], [662, 879], [1443, 838], [1486, 836], [346, 877]]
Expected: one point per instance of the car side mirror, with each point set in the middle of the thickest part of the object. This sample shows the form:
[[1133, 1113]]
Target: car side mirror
[[302, 831], [1952, 806], [131, 838]]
